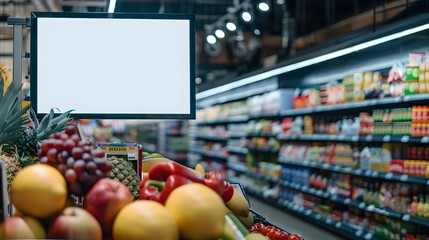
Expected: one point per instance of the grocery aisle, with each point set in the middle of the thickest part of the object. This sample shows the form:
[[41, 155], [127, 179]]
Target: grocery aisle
[[291, 223]]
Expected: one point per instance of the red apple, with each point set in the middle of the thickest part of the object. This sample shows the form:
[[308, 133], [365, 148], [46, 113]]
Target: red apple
[[21, 227], [75, 223], [104, 201]]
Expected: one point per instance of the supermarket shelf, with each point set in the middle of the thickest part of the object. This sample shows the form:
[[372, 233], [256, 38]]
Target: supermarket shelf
[[242, 169], [209, 154], [149, 147], [211, 137], [325, 195], [416, 220], [318, 137], [264, 115], [236, 119], [175, 134], [266, 149], [343, 138], [372, 103], [334, 198], [358, 172], [238, 150], [237, 135], [347, 230], [260, 134]]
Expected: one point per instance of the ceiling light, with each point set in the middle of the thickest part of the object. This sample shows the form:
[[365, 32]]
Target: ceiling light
[[294, 66], [219, 33], [211, 39], [257, 32], [263, 6], [231, 26], [246, 16], [112, 5]]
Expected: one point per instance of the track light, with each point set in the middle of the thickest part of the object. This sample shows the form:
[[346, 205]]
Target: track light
[[246, 16], [247, 13], [211, 39], [219, 33], [263, 6], [231, 26]]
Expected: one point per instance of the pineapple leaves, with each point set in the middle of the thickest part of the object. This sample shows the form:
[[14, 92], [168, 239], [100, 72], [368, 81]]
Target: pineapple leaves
[[12, 116], [51, 124]]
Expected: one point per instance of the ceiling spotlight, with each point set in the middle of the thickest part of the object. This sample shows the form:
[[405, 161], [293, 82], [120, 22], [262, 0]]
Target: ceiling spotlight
[[263, 6], [246, 16], [231, 26], [211, 39], [219, 33], [257, 32]]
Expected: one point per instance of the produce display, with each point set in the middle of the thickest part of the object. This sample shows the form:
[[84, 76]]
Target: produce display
[[179, 201]]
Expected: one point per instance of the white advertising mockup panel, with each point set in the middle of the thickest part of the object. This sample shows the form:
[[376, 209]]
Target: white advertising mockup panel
[[114, 67]]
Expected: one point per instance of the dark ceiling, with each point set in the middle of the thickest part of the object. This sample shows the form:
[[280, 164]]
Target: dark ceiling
[[290, 27]]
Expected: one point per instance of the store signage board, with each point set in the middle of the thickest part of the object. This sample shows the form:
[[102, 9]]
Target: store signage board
[[113, 65]]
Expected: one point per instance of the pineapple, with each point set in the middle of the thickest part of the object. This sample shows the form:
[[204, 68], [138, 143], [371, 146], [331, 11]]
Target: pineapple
[[12, 168], [19, 140], [123, 172]]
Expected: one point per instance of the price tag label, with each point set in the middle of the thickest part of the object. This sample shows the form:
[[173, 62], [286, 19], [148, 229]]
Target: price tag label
[[308, 212], [312, 190], [326, 195], [406, 217], [427, 183], [403, 178], [328, 221], [359, 233], [318, 217], [386, 138], [355, 138], [368, 236], [325, 166], [358, 172], [334, 198], [388, 175], [374, 174], [312, 164], [338, 225], [368, 138], [336, 168], [305, 188], [362, 205], [425, 140], [305, 163], [405, 139], [347, 201], [295, 207], [319, 193], [370, 208]]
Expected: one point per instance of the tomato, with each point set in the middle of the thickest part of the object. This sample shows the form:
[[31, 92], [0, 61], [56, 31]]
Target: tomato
[[295, 237], [267, 229], [257, 227], [276, 234]]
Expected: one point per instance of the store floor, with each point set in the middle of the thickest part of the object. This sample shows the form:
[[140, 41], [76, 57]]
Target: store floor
[[291, 223]]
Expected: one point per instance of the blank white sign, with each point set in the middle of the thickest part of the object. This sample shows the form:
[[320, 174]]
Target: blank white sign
[[113, 66]]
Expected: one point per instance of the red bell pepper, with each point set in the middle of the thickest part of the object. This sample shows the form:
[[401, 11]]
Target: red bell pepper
[[163, 189], [215, 181], [161, 172], [147, 192]]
